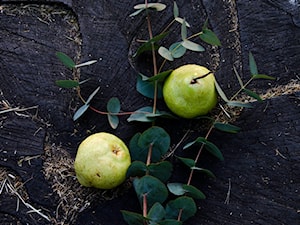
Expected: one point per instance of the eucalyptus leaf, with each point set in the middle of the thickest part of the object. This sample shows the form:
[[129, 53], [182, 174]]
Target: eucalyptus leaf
[[67, 83], [176, 188], [137, 152], [183, 30], [184, 204], [226, 127], [151, 187], [147, 88], [209, 146], [239, 104], [161, 170], [214, 150], [136, 12], [158, 37], [136, 169], [133, 218], [161, 114], [113, 120], [156, 213], [177, 50], [92, 95], [252, 94], [85, 63], [144, 77], [155, 137], [238, 77], [206, 171], [170, 222], [113, 105], [252, 64], [160, 77], [188, 145], [263, 76], [164, 52], [153, 115], [181, 21], [84, 81], [221, 92], [205, 25], [192, 46], [140, 115], [80, 111], [193, 192], [175, 10], [147, 46], [156, 6], [158, 139], [66, 60], [188, 162], [210, 37]]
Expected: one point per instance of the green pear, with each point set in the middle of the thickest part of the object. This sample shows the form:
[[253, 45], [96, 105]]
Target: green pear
[[102, 161], [190, 91]]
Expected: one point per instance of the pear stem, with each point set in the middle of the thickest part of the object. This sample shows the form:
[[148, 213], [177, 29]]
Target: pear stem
[[194, 80]]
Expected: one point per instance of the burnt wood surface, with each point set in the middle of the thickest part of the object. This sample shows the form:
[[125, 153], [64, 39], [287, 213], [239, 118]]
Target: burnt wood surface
[[262, 162]]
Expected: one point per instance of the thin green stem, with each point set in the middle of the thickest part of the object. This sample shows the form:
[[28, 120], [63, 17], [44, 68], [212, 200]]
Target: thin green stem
[[168, 26], [145, 209], [162, 65], [199, 153], [115, 114], [194, 35], [154, 62], [241, 89]]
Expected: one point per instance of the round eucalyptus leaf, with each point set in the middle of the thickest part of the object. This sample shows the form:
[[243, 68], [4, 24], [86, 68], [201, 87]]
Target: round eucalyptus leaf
[[184, 203], [113, 105], [137, 153], [113, 121], [157, 139], [193, 192], [136, 169], [161, 170], [151, 188], [141, 115], [177, 50], [156, 213], [176, 188]]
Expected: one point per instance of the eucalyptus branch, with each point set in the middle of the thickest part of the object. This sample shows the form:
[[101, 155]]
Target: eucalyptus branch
[[168, 26], [106, 113], [153, 59], [241, 89], [212, 127], [199, 152]]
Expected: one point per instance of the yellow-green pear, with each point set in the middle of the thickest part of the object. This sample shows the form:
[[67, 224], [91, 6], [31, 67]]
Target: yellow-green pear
[[190, 91], [102, 161]]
